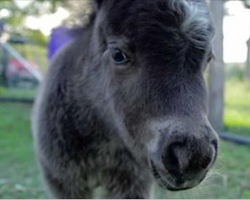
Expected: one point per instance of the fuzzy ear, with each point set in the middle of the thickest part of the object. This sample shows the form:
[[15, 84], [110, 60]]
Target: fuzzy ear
[[98, 3]]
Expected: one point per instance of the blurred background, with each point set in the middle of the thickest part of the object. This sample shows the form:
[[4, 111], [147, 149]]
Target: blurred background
[[31, 31]]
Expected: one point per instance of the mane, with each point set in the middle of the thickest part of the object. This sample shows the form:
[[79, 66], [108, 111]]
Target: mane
[[196, 20], [195, 25]]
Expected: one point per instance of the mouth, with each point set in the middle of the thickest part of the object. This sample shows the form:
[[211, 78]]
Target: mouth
[[165, 184]]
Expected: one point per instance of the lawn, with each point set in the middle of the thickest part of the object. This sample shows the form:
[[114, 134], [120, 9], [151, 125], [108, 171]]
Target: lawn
[[19, 174], [18, 171], [237, 108], [17, 93]]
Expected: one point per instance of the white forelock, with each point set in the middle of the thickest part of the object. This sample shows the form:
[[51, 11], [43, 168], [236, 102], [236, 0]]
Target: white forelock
[[196, 21]]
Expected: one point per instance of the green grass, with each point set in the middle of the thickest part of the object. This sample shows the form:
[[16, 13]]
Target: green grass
[[18, 170], [18, 92], [19, 174], [237, 108]]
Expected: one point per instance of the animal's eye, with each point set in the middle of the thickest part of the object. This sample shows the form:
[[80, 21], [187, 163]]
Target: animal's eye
[[119, 57], [210, 57]]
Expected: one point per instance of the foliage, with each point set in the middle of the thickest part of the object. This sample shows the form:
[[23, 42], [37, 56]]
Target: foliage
[[15, 21], [35, 36], [16, 16], [246, 3], [49, 6]]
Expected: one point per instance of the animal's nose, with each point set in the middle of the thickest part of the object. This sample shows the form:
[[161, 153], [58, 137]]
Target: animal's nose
[[188, 156]]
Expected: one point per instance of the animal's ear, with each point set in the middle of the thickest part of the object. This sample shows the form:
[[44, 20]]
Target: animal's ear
[[98, 4]]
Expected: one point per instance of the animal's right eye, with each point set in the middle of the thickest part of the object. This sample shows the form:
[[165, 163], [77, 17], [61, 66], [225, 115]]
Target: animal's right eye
[[119, 57], [210, 57]]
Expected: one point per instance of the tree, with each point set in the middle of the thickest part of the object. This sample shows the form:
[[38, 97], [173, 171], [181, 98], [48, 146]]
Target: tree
[[13, 24], [247, 68], [17, 15], [216, 69], [246, 3]]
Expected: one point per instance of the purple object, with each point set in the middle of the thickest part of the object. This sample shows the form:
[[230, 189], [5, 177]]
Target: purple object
[[59, 37]]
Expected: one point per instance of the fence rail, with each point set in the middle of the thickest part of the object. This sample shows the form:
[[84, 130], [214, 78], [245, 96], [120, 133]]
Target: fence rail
[[17, 100], [239, 139], [37, 75]]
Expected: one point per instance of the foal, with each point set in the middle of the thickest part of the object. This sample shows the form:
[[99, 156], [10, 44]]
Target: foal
[[125, 103]]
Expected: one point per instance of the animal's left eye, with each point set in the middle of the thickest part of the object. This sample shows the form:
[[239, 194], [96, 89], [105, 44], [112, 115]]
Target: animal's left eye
[[119, 57]]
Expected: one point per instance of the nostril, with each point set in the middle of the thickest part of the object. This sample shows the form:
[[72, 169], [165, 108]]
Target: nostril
[[215, 144], [193, 157], [170, 160], [175, 159], [205, 162]]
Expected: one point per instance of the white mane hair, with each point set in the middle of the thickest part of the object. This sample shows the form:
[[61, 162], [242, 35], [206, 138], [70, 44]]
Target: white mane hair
[[196, 20]]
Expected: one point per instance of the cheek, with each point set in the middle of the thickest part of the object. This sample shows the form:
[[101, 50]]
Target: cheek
[[129, 86], [105, 59], [205, 67]]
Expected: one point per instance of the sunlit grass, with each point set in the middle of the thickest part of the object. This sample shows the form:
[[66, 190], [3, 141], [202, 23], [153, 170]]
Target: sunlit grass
[[237, 108]]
